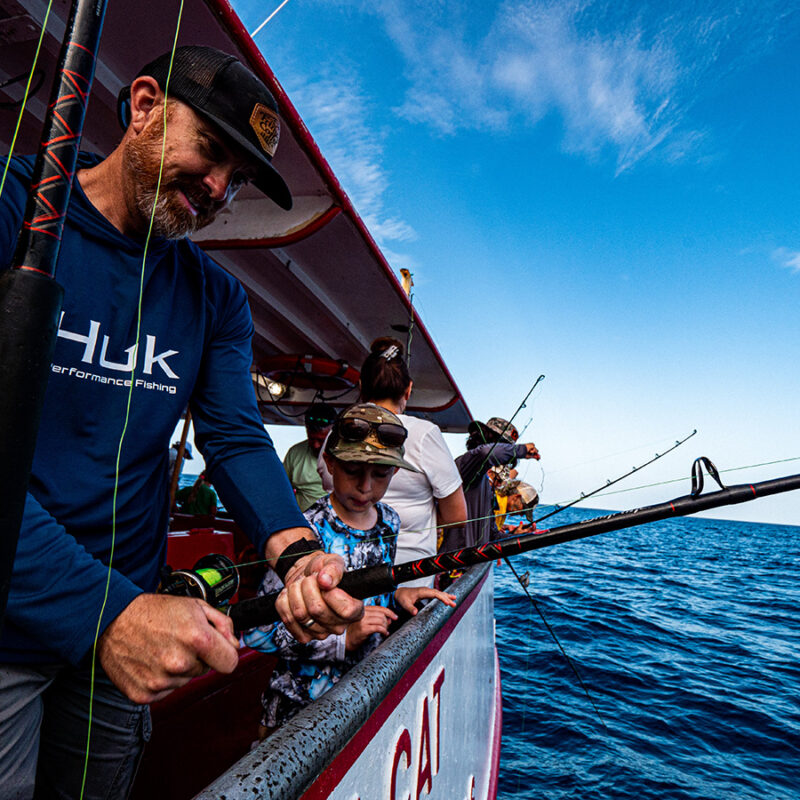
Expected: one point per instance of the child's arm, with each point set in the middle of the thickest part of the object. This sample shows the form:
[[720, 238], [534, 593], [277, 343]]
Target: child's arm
[[407, 596], [376, 619], [276, 638]]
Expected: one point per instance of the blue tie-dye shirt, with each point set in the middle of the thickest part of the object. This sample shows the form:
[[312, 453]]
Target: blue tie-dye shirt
[[306, 671]]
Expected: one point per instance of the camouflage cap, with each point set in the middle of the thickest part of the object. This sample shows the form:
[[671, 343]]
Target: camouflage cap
[[370, 449], [495, 429]]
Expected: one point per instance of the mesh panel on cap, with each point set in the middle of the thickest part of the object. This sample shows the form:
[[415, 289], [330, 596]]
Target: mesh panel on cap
[[193, 71]]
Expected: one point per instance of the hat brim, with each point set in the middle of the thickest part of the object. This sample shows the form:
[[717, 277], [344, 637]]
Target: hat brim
[[381, 459], [268, 179]]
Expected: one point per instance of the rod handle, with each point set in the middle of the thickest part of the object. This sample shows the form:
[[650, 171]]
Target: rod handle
[[360, 583]]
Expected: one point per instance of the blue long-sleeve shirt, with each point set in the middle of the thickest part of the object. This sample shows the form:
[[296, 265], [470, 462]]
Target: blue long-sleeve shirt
[[195, 347]]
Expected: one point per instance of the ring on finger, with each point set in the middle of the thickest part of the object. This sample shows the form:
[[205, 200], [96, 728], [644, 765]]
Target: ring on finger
[[308, 623]]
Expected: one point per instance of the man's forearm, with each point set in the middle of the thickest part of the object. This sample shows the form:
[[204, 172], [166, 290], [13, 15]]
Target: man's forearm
[[280, 540]]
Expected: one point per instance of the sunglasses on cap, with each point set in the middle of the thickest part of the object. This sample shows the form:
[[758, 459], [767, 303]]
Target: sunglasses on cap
[[355, 429], [318, 423]]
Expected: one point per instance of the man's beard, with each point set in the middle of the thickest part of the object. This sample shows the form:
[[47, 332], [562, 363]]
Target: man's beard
[[171, 218]]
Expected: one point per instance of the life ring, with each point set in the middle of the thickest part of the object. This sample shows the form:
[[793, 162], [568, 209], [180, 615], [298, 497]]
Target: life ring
[[310, 372]]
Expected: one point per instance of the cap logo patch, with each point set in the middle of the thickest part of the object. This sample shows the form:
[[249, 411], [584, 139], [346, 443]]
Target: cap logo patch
[[264, 121]]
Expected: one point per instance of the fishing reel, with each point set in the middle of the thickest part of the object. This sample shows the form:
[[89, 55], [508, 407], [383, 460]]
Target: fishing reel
[[214, 578]]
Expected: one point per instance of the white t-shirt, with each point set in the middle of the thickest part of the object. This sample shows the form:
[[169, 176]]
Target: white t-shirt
[[411, 494]]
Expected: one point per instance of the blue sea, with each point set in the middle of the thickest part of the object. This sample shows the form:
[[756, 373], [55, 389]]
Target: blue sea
[[687, 634]]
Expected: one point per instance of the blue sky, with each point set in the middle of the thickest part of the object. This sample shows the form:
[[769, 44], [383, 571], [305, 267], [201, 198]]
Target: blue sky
[[606, 193]]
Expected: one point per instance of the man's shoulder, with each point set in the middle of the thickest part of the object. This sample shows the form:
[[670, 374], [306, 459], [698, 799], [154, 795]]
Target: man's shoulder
[[298, 449], [222, 291], [18, 179], [19, 166]]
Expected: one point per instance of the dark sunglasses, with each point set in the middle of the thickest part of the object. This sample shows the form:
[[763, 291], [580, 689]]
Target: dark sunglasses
[[355, 429], [318, 423]]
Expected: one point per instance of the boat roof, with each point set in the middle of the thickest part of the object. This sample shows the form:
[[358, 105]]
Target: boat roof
[[317, 281]]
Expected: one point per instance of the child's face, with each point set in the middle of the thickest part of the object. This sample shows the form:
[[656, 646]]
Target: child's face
[[358, 486], [515, 503]]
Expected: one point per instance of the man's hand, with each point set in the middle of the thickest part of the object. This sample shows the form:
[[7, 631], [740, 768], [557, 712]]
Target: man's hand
[[159, 643], [533, 451], [310, 596], [376, 619]]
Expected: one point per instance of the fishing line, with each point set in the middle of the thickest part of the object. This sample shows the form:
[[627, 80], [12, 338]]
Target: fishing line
[[555, 639], [481, 469], [261, 561], [559, 507], [129, 402], [258, 29], [678, 480], [38, 73], [25, 97], [606, 456]]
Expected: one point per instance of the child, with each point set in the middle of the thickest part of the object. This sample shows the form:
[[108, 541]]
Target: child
[[362, 453], [516, 497]]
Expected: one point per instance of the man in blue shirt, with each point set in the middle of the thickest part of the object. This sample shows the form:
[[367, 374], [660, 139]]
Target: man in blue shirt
[[191, 344]]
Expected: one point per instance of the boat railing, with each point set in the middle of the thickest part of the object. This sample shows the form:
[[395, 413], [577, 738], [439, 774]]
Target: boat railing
[[288, 762]]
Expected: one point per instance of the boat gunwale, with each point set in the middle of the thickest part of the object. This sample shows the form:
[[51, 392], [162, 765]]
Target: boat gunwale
[[289, 763]]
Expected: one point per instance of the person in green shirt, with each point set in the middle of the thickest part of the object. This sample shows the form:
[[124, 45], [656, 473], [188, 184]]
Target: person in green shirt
[[199, 498], [300, 461]]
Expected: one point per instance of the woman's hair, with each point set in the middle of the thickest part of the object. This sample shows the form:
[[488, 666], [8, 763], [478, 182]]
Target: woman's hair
[[384, 374]]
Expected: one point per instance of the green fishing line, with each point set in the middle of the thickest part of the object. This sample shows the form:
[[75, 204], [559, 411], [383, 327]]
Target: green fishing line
[[25, 98], [128, 406]]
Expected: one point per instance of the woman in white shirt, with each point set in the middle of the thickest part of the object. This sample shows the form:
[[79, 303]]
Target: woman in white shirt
[[426, 499]]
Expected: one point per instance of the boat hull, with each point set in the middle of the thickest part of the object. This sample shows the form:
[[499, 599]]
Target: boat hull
[[420, 716]]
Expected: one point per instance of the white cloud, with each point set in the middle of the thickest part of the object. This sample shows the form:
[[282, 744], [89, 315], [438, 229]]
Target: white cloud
[[622, 77], [787, 258], [337, 114]]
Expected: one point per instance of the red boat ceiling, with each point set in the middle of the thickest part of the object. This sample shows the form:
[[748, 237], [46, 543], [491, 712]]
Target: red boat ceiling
[[318, 284]]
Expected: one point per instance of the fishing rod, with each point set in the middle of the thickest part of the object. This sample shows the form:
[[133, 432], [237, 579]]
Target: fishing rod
[[381, 578], [583, 496], [30, 297], [479, 473]]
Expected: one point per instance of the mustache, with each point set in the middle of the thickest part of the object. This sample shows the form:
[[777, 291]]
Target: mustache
[[197, 196]]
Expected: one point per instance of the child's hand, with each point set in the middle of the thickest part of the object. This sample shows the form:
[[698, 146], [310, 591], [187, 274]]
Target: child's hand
[[407, 596], [376, 619]]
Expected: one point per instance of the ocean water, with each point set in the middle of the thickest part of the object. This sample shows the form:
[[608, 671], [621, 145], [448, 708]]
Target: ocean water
[[687, 633]]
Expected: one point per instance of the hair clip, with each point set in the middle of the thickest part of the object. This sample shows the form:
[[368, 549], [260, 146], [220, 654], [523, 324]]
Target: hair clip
[[390, 352]]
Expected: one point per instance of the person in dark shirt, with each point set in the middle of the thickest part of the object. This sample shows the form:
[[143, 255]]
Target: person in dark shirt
[[488, 445], [93, 536]]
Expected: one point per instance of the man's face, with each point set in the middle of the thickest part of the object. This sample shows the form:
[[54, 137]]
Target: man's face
[[316, 437], [201, 172]]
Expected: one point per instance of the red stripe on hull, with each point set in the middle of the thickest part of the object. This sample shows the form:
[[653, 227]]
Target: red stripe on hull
[[340, 766], [494, 769]]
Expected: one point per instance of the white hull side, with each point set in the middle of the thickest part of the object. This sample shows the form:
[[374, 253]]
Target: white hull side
[[420, 717]]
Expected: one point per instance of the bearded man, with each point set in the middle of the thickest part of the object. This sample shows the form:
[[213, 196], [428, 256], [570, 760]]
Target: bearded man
[[188, 341]]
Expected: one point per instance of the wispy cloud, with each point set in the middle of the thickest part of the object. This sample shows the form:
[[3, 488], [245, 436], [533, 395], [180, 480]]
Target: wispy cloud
[[787, 258], [621, 77], [338, 115]]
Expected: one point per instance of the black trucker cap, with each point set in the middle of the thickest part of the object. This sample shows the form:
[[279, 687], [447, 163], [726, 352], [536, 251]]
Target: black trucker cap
[[223, 90]]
